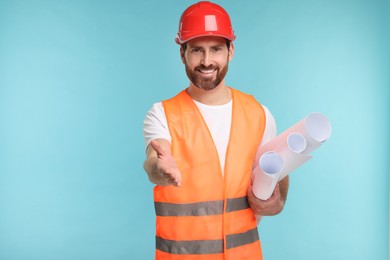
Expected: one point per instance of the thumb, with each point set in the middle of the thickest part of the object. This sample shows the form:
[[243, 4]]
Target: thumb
[[157, 147]]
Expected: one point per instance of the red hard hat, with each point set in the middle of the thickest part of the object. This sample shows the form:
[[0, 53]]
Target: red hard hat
[[203, 19]]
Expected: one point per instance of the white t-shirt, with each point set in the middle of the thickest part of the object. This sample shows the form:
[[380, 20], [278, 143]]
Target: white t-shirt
[[218, 119]]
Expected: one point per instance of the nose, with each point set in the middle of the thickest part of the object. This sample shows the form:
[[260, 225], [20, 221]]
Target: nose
[[206, 59]]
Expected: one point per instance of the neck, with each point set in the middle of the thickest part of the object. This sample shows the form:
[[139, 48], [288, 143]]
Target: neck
[[218, 96]]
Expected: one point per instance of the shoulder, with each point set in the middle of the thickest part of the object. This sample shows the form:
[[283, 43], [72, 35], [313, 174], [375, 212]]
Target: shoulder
[[155, 112], [157, 108], [155, 124]]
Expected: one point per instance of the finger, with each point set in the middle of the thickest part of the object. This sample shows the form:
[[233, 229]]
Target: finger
[[173, 179], [178, 181], [178, 178], [157, 147], [174, 183], [168, 176], [169, 179]]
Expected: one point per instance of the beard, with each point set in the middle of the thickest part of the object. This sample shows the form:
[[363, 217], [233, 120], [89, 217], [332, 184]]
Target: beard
[[206, 83]]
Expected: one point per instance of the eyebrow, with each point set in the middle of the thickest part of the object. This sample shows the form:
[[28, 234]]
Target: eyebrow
[[213, 46]]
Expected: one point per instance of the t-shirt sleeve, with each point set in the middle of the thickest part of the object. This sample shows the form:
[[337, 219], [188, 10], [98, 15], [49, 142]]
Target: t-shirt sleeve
[[155, 124], [269, 133], [270, 127]]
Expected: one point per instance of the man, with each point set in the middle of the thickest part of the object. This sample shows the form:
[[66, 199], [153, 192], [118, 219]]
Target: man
[[201, 145]]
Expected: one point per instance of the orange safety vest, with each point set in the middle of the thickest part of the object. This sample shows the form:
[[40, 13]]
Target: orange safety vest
[[209, 217]]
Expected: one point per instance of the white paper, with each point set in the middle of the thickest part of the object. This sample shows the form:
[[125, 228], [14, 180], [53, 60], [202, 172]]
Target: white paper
[[286, 152]]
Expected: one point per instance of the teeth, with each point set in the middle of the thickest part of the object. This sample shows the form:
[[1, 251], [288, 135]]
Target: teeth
[[207, 71]]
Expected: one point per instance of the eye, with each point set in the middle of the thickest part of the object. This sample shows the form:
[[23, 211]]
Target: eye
[[196, 50], [216, 48]]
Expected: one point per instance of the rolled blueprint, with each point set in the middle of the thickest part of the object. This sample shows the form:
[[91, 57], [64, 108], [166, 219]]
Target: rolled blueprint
[[286, 152]]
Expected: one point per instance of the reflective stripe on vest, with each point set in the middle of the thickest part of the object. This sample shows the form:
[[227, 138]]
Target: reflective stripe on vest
[[206, 246], [201, 208]]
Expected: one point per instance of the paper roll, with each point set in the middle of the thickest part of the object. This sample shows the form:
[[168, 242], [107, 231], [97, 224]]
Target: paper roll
[[286, 152], [266, 174]]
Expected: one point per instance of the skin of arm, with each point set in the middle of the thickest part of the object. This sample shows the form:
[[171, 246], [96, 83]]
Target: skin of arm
[[160, 165], [272, 206]]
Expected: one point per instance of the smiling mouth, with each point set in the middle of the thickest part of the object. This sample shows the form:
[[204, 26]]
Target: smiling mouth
[[206, 72]]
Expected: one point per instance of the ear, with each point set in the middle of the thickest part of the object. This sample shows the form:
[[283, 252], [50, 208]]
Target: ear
[[182, 55], [231, 51]]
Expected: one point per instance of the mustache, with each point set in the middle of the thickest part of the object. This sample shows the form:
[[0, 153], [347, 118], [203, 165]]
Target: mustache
[[203, 67]]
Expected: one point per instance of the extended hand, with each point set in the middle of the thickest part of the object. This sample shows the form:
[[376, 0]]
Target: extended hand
[[166, 166]]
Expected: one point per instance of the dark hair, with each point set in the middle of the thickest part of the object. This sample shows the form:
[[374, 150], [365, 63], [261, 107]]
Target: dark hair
[[184, 45]]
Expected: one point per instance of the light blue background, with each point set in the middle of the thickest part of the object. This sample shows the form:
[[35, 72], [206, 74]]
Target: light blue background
[[77, 78]]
